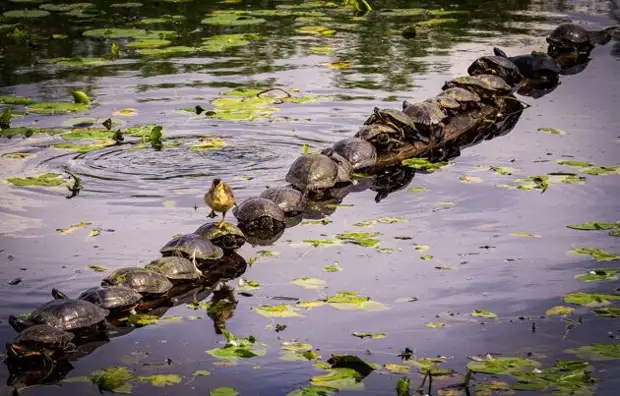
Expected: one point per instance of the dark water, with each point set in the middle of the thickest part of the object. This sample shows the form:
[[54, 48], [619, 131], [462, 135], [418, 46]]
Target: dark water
[[146, 196]]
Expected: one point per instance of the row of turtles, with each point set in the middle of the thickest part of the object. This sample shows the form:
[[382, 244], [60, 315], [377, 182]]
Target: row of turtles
[[490, 80]]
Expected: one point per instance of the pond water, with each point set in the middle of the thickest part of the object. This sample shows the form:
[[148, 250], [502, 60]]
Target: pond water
[[471, 243]]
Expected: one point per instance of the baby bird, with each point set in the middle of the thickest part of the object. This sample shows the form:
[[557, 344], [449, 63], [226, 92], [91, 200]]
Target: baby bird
[[219, 198]]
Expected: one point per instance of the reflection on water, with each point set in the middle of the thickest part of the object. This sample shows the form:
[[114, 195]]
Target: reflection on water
[[146, 196]]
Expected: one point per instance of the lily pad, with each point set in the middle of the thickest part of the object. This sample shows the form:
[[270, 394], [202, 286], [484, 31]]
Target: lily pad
[[112, 379], [84, 148], [608, 312], [161, 380], [595, 225], [15, 100], [339, 378], [480, 313], [599, 274], [201, 373], [18, 155], [115, 33], [602, 171], [434, 324], [56, 107], [596, 254], [295, 351], [470, 179], [365, 239], [597, 351], [223, 19], [309, 283], [65, 7], [590, 299], [149, 43], [224, 391], [502, 365], [166, 52], [81, 134], [424, 164], [209, 144], [322, 242], [397, 368], [316, 30], [559, 310], [277, 311], [418, 189], [28, 131], [348, 300], [575, 164], [332, 268], [614, 233], [43, 180], [313, 390], [552, 131], [78, 62], [524, 234], [362, 334], [223, 42], [26, 14], [96, 268]]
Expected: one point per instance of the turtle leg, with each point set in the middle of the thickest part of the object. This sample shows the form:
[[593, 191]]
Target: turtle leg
[[212, 214]]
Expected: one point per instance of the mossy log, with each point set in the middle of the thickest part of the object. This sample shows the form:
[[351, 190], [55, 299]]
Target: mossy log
[[476, 121]]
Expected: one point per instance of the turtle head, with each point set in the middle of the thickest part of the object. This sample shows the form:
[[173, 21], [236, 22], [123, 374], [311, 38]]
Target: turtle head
[[406, 104], [18, 324], [19, 351], [58, 295], [499, 52], [604, 36], [383, 139]]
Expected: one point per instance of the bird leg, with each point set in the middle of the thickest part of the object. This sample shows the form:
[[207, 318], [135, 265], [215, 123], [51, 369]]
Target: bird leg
[[212, 214], [221, 223]]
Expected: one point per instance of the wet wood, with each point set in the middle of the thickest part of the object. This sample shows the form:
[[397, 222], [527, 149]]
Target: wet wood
[[456, 128]]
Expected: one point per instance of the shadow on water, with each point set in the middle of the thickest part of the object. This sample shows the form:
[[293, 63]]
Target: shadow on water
[[443, 250]]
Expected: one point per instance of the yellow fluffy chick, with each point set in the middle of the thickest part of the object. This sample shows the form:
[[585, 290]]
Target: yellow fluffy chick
[[219, 198]]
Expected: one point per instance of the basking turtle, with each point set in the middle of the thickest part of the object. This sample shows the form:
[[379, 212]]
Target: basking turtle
[[466, 98], [358, 152], [538, 67], [176, 268], [496, 65], [577, 38], [385, 138], [139, 279], [311, 172], [447, 104], [396, 119], [39, 340], [291, 201], [345, 169], [192, 247], [65, 314], [428, 118], [118, 298], [224, 235], [487, 86], [260, 214]]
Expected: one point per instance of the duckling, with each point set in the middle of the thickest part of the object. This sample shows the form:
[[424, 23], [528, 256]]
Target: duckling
[[219, 198]]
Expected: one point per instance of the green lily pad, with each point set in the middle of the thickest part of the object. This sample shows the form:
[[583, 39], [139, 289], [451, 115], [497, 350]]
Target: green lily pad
[[161, 380], [503, 170], [424, 164], [78, 62], [209, 144], [595, 225], [404, 12], [435, 325], [223, 42], [84, 148], [15, 100], [608, 312], [81, 134], [27, 131], [295, 351], [435, 21], [365, 239], [115, 33], [479, 313], [348, 300], [277, 311], [322, 242], [362, 334], [599, 274], [559, 310], [552, 131], [470, 179], [313, 390], [223, 19], [96, 268], [140, 319], [575, 164], [339, 378], [18, 155], [602, 171], [166, 52], [332, 268], [224, 391], [614, 233], [502, 365], [309, 283], [321, 50], [149, 43], [597, 351], [56, 107], [566, 377], [418, 189], [126, 5], [596, 254], [316, 30], [308, 305], [64, 7], [589, 299], [239, 348], [43, 180], [112, 379], [397, 368], [201, 373], [26, 14]]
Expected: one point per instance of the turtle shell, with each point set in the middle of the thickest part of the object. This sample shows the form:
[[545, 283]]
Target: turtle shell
[[425, 113], [69, 314], [496, 65], [396, 117], [139, 279], [481, 83], [254, 209], [345, 169], [291, 201], [358, 152], [44, 334], [192, 246], [461, 95], [175, 268], [226, 235], [446, 103], [567, 34], [111, 297], [313, 172], [371, 132]]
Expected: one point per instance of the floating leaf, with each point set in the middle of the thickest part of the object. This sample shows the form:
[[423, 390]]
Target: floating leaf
[[599, 274], [426, 257], [424, 164], [140, 319], [94, 233], [43, 180], [309, 283], [602, 171], [238, 348], [112, 379], [339, 65], [161, 380], [209, 144], [559, 310], [552, 131], [339, 378], [321, 50], [224, 391], [353, 300], [503, 170], [80, 97], [608, 312], [397, 368], [362, 334], [418, 189], [26, 14], [201, 373], [391, 220], [322, 242], [576, 164], [277, 311], [470, 179], [56, 107], [232, 19], [223, 42], [479, 313], [316, 30], [96, 268], [596, 254], [115, 33], [434, 324], [614, 233], [524, 234], [18, 155], [595, 225], [597, 351], [502, 365], [589, 299], [332, 268]]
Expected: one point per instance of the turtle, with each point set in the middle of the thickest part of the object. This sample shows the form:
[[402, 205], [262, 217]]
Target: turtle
[[487, 86], [311, 172], [291, 201], [192, 247], [397, 119], [385, 138], [260, 214], [38, 341], [176, 268], [537, 66], [573, 37], [224, 235], [142, 280], [345, 169], [428, 118], [358, 152], [466, 98], [65, 314], [447, 104], [113, 298], [496, 65]]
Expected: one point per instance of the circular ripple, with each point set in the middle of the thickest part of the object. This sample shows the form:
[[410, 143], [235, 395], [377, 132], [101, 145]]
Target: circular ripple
[[136, 172]]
